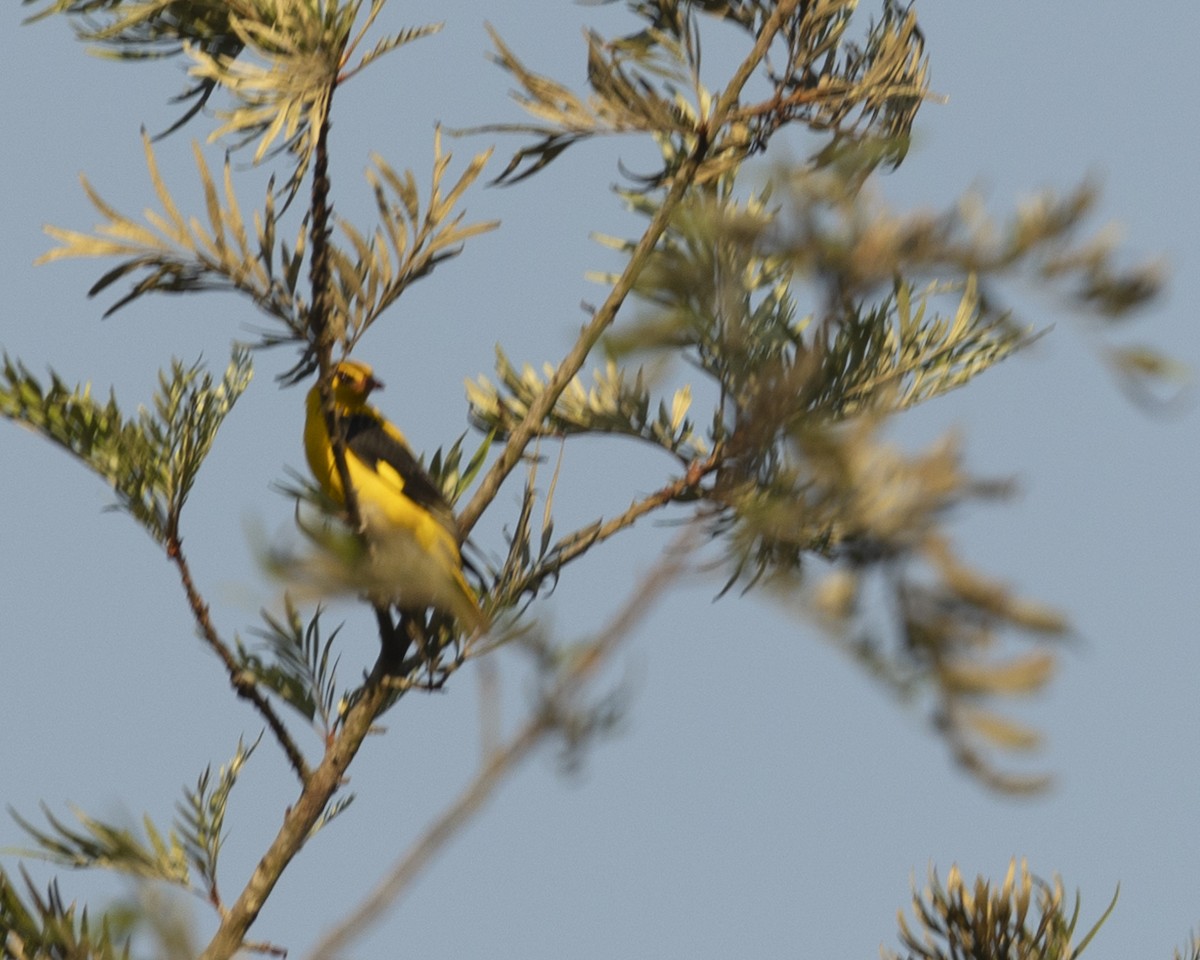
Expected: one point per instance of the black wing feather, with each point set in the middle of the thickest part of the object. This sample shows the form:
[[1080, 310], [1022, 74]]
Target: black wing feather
[[365, 437]]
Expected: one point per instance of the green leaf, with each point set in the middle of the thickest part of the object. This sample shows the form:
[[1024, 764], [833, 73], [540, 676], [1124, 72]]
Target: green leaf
[[300, 670], [201, 817], [408, 242]]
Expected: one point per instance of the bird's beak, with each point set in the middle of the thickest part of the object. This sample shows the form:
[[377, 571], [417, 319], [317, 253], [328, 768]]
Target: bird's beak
[[371, 384]]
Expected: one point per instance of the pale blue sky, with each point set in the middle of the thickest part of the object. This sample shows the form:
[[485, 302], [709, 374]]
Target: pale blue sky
[[763, 798]]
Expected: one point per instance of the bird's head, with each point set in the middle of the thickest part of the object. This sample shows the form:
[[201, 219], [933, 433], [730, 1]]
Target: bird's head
[[353, 382]]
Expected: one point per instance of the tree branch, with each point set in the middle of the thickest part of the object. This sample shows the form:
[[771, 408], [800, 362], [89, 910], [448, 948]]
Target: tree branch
[[242, 682], [375, 694], [323, 334], [601, 531], [504, 760], [319, 326], [298, 822], [527, 429]]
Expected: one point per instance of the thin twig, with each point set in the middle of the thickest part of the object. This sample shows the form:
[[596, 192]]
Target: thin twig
[[573, 362], [584, 540], [435, 837], [242, 682], [681, 487], [499, 763]]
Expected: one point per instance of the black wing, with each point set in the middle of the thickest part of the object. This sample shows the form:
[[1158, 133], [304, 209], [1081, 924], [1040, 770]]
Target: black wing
[[367, 439]]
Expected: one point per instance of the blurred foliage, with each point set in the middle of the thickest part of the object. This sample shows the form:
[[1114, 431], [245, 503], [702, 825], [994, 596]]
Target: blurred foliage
[[43, 927], [1025, 919], [902, 309]]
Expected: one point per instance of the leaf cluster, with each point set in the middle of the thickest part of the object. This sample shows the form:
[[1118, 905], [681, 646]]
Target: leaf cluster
[[613, 405], [177, 254], [903, 310], [151, 460], [450, 474], [152, 29], [279, 62], [811, 313], [408, 242], [300, 667], [186, 856], [947, 632], [649, 82], [48, 927], [1025, 919]]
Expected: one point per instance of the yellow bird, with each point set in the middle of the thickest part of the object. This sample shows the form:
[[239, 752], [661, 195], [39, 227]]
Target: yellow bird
[[408, 520]]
